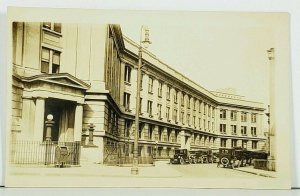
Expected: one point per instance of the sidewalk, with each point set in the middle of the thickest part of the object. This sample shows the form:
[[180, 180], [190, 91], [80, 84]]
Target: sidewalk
[[258, 172], [160, 170]]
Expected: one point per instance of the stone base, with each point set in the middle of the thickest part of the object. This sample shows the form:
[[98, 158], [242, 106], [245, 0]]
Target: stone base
[[271, 164]]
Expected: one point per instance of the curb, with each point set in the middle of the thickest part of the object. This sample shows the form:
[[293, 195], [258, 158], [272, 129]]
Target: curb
[[258, 174]]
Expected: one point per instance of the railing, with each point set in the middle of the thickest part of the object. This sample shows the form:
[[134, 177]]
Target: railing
[[42, 153]]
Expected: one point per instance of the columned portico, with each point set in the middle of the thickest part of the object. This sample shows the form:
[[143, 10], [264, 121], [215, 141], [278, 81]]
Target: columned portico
[[39, 118]]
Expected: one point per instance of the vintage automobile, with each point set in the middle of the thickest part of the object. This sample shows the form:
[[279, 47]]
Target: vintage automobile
[[238, 157], [227, 158], [182, 156]]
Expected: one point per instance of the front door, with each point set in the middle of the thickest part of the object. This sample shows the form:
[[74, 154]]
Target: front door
[[63, 116]]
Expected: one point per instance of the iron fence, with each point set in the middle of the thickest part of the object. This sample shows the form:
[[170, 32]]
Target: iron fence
[[36, 152], [122, 154]]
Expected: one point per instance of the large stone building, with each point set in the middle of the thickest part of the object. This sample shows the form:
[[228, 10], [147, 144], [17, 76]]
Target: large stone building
[[86, 74]]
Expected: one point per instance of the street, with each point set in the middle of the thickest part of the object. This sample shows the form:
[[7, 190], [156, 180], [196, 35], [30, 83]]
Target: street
[[101, 175], [210, 170]]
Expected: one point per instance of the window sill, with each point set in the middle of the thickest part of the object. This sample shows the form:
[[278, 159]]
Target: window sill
[[127, 83], [150, 93], [51, 31]]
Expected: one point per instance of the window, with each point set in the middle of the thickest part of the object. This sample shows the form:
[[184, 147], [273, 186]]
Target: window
[[175, 97], [175, 115], [168, 92], [233, 115], [126, 101], [200, 106], [168, 113], [253, 118], [209, 110], [253, 131], [189, 102], [223, 114], [181, 117], [223, 128], [52, 26], [141, 101], [188, 116], [233, 129], [50, 61], [244, 117], [204, 108], [182, 99], [213, 126], [213, 112], [159, 111], [233, 143], [254, 144], [223, 142], [208, 125], [194, 106], [149, 108], [127, 74], [204, 125], [244, 130], [159, 89], [151, 128], [150, 85], [127, 127], [244, 143], [194, 121]]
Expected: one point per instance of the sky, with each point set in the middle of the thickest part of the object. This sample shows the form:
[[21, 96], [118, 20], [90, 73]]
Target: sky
[[216, 50]]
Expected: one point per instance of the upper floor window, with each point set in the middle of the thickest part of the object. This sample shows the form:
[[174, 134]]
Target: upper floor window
[[233, 143], [150, 85], [50, 61], [223, 128], [233, 115], [168, 92], [244, 130], [182, 117], [52, 26], [159, 89], [168, 113], [223, 114], [127, 74], [209, 110], [175, 96], [182, 99], [204, 108], [175, 115], [126, 101], [159, 111], [253, 131], [194, 105], [253, 118], [244, 117], [233, 129], [149, 108], [188, 120], [213, 112]]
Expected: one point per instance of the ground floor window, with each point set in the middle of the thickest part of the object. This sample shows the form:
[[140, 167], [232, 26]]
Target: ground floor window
[[223, 142]]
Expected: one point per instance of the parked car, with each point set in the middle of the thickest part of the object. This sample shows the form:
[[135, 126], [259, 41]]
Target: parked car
[[182, 156], [227, 157]]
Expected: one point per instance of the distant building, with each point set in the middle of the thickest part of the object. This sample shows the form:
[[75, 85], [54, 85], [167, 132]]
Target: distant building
[[83, 74]]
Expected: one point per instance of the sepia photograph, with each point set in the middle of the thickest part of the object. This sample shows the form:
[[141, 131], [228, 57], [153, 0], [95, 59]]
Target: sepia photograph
[[148, 99]]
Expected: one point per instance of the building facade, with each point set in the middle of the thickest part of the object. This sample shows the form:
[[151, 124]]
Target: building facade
[[86, 76]]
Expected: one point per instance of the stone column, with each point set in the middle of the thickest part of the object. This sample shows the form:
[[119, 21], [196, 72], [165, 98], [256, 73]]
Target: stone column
[[78, 122], [39, 118]]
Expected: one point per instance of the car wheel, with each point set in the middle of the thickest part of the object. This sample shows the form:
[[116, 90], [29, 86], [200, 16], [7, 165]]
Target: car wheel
[[224, 161]]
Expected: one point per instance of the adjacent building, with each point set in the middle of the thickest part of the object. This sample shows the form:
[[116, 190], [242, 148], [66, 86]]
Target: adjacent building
[[85, 75]]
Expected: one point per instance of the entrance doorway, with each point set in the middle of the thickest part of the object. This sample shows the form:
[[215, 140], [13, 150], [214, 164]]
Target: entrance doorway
[[63, 116]]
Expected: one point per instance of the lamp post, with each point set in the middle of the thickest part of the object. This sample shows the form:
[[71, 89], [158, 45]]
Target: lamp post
[[49, 124], [144, 41], [271, 137]]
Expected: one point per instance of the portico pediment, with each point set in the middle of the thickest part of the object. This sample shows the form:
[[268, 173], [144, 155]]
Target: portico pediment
[[63, 79]]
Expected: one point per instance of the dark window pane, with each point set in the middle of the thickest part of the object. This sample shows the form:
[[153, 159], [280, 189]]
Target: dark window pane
[[45, 67], [57, 27]]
